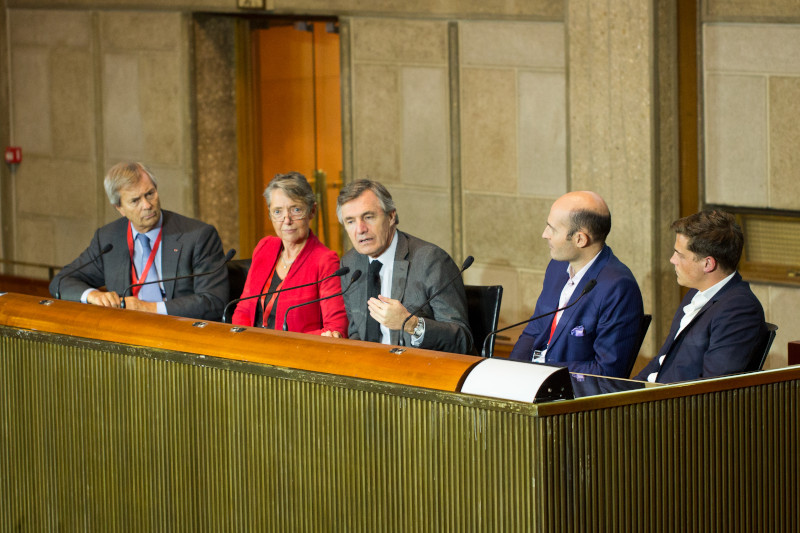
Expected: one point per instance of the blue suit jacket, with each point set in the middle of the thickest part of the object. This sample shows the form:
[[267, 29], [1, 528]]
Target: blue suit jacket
[[718, 341], [609, 316]]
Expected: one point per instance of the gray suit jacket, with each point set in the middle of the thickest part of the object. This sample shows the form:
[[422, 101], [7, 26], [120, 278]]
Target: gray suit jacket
[[188, 246], [420, 269]]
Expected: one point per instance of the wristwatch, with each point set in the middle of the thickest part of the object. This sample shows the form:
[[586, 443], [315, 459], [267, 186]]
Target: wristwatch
[[419, 329]]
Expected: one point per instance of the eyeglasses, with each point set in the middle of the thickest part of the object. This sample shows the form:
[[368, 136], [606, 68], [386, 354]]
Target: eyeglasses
[[294, 213]]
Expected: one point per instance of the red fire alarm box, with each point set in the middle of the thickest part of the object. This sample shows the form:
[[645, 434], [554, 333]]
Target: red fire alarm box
[[13, 155]]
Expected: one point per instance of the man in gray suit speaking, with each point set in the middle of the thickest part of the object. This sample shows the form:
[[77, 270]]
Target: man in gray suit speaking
[[401, 273]]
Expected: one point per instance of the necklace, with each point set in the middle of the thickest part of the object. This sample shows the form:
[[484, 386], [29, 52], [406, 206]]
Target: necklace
[[287, 264]]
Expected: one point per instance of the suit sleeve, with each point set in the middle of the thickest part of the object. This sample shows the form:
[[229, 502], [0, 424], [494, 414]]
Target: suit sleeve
[[446, 320], [732, 333], [74, 284], [207, 295], [619, 315]]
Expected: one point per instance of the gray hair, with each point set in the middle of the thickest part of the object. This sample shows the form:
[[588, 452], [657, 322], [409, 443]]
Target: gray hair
[[295, 186], [124, 175], [353, 190]]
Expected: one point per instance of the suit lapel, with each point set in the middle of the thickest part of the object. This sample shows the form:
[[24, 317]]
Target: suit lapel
[[399, 276], [592, 273], [170, 253], [400, 268], [360, 296]]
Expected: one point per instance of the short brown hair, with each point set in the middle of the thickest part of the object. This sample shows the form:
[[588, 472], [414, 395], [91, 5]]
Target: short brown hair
[[713, 233]]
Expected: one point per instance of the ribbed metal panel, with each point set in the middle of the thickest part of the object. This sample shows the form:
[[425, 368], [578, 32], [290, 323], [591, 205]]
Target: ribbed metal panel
[[96, 436], [723, 461]]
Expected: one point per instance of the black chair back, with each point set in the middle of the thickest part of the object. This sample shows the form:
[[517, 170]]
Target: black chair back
[[483, 309], [237, 275], [761, 350], [644, 325]]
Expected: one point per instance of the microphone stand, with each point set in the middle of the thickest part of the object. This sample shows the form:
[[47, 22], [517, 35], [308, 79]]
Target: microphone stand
[[356, 275], [341, 272], [589, 286], [465, 265], [227, 258], [107, 248]]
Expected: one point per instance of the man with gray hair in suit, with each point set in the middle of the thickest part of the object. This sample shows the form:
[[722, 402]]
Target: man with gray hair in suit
[[147, 244], [401, 273]]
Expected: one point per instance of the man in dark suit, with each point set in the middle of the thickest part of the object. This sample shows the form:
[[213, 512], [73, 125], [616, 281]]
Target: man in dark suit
[[600, 334], [148, 244], [720, 321], [400, 273]]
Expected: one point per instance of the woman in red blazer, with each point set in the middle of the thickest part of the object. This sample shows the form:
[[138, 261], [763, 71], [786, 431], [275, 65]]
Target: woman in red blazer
[[294, 257]]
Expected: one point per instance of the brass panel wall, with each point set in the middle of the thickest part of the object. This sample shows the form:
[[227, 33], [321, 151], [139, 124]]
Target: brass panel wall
[[102, 436]]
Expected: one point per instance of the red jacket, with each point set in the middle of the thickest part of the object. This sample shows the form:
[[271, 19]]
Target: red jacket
[[314, 262]]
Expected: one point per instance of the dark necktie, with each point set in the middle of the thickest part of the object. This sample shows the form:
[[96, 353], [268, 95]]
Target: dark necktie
[[373, 290]]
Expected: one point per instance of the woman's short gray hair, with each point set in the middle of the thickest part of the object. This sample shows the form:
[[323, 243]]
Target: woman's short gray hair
[[124, 175], [295, 186]]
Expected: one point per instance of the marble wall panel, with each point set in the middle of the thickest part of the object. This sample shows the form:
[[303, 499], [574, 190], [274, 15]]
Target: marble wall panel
[[376, 122], [506, 230], [55, 187], [425, 214], [399, 41], [162, 103], [751, 48], [488, 129], [42, 231], [784, 139], [542, 134], [736, 148], [517, 44], [744, 9], [30, 97], [425, 127], [122, 116], [72, 100], [140, 31], [50, 28]]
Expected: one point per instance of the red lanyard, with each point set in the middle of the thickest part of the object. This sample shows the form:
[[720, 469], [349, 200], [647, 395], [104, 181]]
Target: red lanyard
[[150, 260]]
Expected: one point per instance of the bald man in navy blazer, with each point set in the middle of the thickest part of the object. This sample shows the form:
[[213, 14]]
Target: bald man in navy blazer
[[600, 333], [720, 321]]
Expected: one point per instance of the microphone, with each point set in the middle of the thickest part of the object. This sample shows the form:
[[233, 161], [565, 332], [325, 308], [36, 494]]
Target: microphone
[[227, 258], [465, 265], [339, 273], [356, 275], [107, 248], [589, 286]]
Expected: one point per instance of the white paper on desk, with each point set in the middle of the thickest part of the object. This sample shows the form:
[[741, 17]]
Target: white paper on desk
[[509, 380]]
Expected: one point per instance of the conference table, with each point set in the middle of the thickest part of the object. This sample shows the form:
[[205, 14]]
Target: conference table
[[118, 419]]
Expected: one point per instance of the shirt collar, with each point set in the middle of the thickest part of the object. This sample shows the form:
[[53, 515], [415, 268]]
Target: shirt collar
[[153, 233], [579, 274], [387, 257], [702, 297]]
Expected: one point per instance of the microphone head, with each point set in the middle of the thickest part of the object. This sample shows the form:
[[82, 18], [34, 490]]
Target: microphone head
[[230, 255], [341, 272], [356, 275], [107, 248], [467, 263], [589, 286]]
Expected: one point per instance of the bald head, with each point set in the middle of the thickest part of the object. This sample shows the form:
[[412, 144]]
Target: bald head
[[588, 213]]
